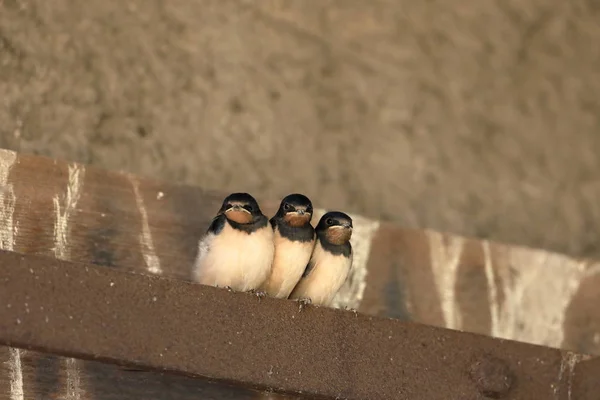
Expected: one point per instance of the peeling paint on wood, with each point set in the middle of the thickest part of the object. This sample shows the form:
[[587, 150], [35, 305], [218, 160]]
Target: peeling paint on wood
[[73, 380], [492, 289], [569, 361], [536, 295], [7, 201], [445, 260], [148, 250], [63, 211], [16, 375]]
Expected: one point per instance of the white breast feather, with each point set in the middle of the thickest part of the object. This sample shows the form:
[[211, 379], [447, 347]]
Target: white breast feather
[[234, 258], [325, 279], [289, 263]]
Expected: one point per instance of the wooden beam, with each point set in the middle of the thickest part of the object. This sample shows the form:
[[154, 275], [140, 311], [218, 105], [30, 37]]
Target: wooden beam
[[161, 324], [584, 383], [80, 213], [26, 374]]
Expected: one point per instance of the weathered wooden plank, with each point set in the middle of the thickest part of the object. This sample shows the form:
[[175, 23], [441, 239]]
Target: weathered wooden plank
[[83, 214], [80, 213], [583, 382], [112, 219], [97, 313], [26, 374], [503, 291]]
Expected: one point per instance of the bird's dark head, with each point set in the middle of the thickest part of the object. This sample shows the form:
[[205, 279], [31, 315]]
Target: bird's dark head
[[241, 208], [335, 227], [296, 210]]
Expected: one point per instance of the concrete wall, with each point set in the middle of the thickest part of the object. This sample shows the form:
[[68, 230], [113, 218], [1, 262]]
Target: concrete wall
[[478, 117]]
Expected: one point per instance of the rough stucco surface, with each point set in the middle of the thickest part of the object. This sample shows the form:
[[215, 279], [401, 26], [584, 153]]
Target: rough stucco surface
[[478, 117]]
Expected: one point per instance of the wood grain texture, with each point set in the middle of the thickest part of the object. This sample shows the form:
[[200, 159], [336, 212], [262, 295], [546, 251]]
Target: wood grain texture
[[157, 324], [118, 220], [509, 292], [44, 377]]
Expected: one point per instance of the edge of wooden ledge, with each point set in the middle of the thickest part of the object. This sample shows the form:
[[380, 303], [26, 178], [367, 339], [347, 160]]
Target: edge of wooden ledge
[[154, 323]]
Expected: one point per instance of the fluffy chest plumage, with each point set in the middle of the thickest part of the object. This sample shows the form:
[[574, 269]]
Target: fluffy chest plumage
[[328, 274], [235, 258], [291, 258]]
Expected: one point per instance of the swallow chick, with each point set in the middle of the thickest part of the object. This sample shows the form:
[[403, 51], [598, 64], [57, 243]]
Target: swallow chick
[[294, 239], [237, 250], [330, 262]]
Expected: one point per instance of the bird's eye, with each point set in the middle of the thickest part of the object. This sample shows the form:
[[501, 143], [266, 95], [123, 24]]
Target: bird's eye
[[287, 207], [249, 208], [228, 206], [329, 221]]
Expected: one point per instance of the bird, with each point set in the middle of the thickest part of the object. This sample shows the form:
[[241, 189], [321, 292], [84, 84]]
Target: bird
[[330, 261], [294, 239], [236, 252]]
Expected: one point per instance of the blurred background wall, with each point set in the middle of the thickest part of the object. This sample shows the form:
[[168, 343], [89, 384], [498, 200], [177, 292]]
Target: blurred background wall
[[479, 117]]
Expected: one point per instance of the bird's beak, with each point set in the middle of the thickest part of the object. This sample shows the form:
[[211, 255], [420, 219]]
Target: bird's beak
[[237, 207], [343, 225], [301, 212]]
